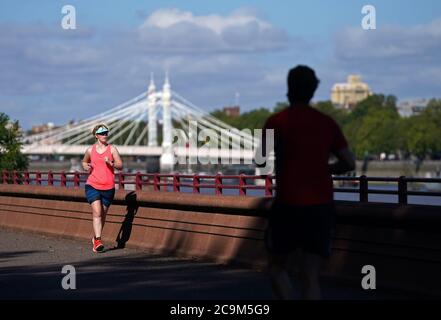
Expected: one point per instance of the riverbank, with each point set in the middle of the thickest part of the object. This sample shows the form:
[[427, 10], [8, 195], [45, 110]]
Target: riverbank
[[400, 168]]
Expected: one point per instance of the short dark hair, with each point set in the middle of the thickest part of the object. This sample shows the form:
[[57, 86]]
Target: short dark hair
[[302, 83]]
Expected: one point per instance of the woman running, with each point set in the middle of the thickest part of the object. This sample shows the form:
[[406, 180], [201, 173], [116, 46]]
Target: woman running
[[100, 160]]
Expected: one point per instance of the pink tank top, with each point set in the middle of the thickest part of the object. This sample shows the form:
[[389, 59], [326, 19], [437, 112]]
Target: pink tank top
[[102, 175]]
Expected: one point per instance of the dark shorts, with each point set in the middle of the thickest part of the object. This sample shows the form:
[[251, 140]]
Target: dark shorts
[[106, 196], [305, 227]]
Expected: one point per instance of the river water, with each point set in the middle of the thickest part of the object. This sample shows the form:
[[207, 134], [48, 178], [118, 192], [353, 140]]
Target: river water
[[384, 198]]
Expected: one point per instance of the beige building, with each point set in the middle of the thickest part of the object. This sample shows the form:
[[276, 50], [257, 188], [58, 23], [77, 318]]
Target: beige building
[[346, 95]]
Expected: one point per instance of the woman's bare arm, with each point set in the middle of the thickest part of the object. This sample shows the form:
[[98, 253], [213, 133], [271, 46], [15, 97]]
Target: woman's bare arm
[[86, 160], [117, 162]]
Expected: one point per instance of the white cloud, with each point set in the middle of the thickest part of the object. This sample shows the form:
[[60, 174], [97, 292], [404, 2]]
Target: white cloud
[[174, 30], [391, 42], [165, 18], [393, 59], [55, 77]]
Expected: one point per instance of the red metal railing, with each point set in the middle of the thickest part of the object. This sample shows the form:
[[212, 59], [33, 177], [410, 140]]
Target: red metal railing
[[157, 182], [194, 183], [50, 178]]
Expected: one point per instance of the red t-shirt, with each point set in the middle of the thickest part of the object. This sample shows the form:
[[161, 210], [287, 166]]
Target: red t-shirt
[[304, 139]]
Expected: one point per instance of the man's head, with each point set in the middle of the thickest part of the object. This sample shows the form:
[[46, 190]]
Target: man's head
[[302, 84]]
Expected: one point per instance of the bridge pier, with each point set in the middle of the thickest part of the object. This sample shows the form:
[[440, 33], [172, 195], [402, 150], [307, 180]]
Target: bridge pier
[[166, 162]]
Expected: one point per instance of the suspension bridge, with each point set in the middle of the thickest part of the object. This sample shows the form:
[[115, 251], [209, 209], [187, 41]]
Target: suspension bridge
[[153, 124]]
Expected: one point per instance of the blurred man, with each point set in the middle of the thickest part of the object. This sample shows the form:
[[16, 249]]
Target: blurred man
[[302, 215]]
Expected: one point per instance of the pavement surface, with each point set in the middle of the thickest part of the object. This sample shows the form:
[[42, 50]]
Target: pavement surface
[[31, 268]]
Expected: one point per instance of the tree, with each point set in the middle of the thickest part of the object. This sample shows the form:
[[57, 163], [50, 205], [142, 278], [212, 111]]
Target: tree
[[433, 111], [254, 119], [373, 126], [376, 132], [375, 101], [423, 131], [326, 107], [222, 116], [280, 106], [11, 157]]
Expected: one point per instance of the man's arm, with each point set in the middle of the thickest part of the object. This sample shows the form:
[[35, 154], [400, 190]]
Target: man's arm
[[345, 162]]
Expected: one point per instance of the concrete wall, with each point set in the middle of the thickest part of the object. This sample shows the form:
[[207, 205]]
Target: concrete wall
[[402, 242]]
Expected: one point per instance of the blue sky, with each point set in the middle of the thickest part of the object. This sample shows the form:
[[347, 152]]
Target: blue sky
[[212, 49], [287, 14]]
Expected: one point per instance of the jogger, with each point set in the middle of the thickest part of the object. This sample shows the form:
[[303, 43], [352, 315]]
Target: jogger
[[100, 160]]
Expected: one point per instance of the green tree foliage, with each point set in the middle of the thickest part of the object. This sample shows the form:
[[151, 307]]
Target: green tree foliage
[[254, 119], [423, 131], [373, 126], [326, 107], [11, 157], [280, 106], [222, 116], [374, 102], [375, 133]]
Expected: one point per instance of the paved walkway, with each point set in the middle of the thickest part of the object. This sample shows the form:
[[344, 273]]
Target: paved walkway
[[31, 264]]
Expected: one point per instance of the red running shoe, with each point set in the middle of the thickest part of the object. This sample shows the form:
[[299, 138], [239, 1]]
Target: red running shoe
[[97, 245]]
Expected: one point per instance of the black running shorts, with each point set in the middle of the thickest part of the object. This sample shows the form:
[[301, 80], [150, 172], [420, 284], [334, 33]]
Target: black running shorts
[[306, 227]]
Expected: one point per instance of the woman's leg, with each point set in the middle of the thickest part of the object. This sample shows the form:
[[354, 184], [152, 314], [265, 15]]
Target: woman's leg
[[103, 216], [106, 200], [97, 218]]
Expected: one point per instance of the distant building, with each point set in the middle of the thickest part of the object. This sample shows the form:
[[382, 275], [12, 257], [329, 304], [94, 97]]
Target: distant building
[[409, 108], [233, 111], [347, 95], [42, 128]]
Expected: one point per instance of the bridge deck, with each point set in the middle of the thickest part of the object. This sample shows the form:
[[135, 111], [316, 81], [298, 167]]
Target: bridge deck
[[30, 268]]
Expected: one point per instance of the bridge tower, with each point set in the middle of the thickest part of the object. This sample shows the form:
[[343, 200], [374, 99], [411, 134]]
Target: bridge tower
[[152, 122], [167, 159]]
